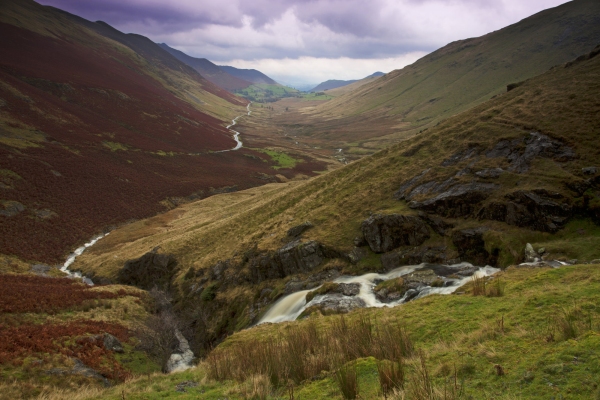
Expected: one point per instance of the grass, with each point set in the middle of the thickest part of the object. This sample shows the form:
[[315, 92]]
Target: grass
[[282, 159]]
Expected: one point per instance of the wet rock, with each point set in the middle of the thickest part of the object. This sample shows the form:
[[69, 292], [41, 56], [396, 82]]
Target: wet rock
[[414, 256], [112, 343], [458, 201], [298, 230], [471, 246], [11, 208], [530, 254], [538, 209], [490, 173], [387, 232], [150, 270], [390, 291], [521, 152], [462, 155], [589, 170], [420, 278], [336, 304], [447, 271]]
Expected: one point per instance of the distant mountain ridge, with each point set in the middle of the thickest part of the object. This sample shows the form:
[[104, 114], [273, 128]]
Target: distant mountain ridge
[[251, 75], [336, 83], [210, 71]]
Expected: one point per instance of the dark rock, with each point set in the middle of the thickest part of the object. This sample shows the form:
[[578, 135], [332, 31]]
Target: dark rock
[[432, 187], [462, 155], [538, 209], [413, 256], [182, 386], [356, 255], [438, 225], [589, 170], [459, 271], [41, 269], [387, 232], [314, 280], [81, 369], [471, 246], [579, 186], [150, 270], [401, 193], [521, 152], [490, 173], [411, 294], [420, 278], [217, 270], [298, 230], [360, 241], [112, 343], [458, 201], [337, 304], [348, 289]]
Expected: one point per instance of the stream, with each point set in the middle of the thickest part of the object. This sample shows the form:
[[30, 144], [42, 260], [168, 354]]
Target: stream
[[292, 306], [79, 251], [236, 134]]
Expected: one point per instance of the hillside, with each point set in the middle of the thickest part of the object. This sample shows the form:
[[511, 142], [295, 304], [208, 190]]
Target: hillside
[[453, 79], [250, 75], [210, 71], [520, 168], [98, 127], [335, 83]]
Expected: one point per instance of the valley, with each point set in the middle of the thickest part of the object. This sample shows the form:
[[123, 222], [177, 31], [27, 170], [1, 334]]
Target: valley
[[432, 233]]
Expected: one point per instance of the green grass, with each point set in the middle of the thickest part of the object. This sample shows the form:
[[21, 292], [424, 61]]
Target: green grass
[[282, 159], [264, 93]]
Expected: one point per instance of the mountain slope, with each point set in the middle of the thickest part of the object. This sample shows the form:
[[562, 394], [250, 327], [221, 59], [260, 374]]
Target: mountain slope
[[519, 168], [98, 127], [461, 75], [209, 70], [250, 75], [334, 84]]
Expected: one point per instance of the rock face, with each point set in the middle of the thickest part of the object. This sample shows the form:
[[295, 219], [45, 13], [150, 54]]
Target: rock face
[[414, 256], [471, 246], [298, 230], [337, 304], [112, 343], [387, 232], [459, 200], [150, 270], [537, 209], [293, 258]]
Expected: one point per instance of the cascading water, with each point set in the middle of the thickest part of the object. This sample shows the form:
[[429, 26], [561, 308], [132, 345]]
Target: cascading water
[[291, 306], [79, 251]]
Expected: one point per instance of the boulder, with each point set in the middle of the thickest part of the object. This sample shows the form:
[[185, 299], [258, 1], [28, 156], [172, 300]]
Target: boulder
[[112, 343], [150, 270], [471, 246], [490, 173], [387, 232], [336, 304], [589, 170], [530, 254]]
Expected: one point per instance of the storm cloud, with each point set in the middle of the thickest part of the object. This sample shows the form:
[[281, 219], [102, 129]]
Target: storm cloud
[[241, 33]]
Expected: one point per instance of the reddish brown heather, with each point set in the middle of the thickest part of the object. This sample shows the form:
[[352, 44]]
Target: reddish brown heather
[[41, 340], [22, 293]]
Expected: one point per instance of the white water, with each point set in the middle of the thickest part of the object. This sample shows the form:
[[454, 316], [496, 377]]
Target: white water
[[291, 306], [79, 251], [236, 134]]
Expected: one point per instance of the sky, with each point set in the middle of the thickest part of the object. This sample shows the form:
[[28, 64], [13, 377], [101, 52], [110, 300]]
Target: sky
[[301, 42]]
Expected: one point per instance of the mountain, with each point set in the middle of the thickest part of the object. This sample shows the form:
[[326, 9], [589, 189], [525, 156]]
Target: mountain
[[210, 71], [334, 83], [250, 75], [520, 168], [457, 77], [98, 127]]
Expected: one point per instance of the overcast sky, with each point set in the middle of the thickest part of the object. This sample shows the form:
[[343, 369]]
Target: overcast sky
[[307, 41]]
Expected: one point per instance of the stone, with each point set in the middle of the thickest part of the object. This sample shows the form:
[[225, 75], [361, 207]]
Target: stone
[[182, 386], [112, 343], [462, 155], [41, 269], [414, 256], [357, 254], [401, 193], [387, 232], [530, 254], [338, 304], [471, 246], [438, 225], [11, 208], [589, 170], [79, 368], [460, 200]]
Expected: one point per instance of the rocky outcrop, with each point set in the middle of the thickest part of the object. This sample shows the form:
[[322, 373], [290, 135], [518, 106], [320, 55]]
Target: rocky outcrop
[[335, 304], [387, 232], [531, 256], [538, 209], [471, 246], [150, 270], [112, 343], [459, 200], [520, 152], [11, 208], [293, 258]]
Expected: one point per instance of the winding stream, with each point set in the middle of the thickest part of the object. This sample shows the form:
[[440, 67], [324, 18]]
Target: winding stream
[[291, 306], [79, 251], [236, 134]]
